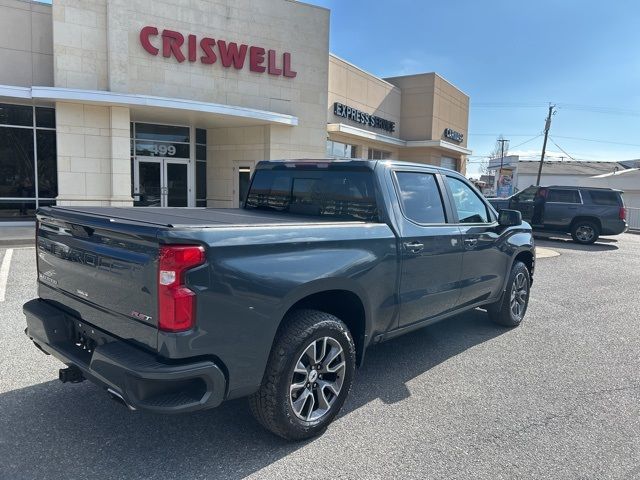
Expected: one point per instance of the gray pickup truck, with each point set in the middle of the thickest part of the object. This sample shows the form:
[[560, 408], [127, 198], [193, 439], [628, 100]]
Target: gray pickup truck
[[174, 310]]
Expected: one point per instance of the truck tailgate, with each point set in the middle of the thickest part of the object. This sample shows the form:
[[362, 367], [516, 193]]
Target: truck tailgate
[[100, 273]]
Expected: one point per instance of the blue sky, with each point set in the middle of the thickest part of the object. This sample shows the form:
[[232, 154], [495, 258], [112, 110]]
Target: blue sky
[[512, 58]]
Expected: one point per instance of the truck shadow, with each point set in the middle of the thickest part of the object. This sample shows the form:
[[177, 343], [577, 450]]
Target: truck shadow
[[55, 431], [557, 243]]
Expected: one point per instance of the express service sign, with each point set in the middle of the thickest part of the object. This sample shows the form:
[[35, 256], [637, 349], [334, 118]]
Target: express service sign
[[363, 118]]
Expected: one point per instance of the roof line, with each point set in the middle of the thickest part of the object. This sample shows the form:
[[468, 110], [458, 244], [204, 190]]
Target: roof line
[[363, 70]]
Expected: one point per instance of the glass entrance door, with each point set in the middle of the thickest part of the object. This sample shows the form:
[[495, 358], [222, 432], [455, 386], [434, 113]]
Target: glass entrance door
[[177, 184], [161, 182]]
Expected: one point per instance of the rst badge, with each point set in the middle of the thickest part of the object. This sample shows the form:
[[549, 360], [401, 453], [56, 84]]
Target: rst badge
[[140, 316]]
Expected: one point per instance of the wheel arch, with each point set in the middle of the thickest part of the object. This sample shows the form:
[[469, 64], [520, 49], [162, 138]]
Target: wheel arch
[[344, 301], [586, 218], [528, 258]]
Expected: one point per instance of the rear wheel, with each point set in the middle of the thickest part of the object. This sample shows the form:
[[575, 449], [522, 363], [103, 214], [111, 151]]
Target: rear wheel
[[308, 376], [511, 308], [585, 232]]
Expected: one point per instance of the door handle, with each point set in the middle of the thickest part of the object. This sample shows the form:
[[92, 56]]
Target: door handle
[[470, 242], [414, 247]]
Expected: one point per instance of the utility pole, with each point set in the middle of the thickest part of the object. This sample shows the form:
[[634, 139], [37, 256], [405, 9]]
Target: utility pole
[[502, 142], [547, 126]]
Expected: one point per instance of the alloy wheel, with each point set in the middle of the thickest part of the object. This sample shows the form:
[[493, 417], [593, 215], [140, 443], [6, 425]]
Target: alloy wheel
[[519, 292], [317, 379], [585, 233]]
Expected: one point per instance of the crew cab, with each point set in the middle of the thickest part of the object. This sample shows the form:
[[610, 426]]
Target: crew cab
[[584, 212], [174, 310]]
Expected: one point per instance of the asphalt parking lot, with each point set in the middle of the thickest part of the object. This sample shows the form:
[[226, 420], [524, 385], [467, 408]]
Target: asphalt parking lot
[[556, 398]]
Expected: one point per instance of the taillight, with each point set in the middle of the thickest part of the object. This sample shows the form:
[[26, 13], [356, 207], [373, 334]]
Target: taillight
[[176, 303], [622, 214]]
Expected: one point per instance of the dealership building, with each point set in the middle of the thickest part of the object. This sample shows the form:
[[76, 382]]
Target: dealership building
[[172, 103]]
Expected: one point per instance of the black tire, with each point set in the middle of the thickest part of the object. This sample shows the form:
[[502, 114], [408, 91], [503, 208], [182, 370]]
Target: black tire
[[273, 404], [585, 232], [502, 312]]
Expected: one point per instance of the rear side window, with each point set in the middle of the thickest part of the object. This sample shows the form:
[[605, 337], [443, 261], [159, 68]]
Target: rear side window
[[469, 206], [605, 198], [563, 196], [420, 197], [349, 195]]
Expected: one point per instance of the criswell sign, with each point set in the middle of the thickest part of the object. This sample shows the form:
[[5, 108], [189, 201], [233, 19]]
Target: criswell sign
[[209, 51]]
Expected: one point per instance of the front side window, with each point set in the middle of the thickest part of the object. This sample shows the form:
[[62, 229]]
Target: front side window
[[527, 195], [467, 203], [420, 197], [563, 196]]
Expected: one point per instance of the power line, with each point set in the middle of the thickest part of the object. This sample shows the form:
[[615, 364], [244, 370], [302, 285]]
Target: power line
[[598, 141], [497, 134], [530, 140], [609, 110], [597, 109], [561, 149]]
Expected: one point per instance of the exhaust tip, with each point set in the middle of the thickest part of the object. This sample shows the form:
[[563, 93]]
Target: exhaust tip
[[117, 397]]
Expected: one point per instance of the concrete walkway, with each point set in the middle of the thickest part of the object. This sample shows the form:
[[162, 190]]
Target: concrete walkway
[[542, 252]]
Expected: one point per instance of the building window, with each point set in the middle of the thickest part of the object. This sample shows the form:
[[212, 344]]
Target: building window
[[341, 150], [164, 141], [448, 162], [201, 167], [28, 165], [378, 154]]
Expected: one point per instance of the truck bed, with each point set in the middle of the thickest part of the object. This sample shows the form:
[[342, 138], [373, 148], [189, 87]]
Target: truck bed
[[194, 217]]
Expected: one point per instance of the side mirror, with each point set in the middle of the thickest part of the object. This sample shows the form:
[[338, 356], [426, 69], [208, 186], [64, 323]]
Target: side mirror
[[509, 218]]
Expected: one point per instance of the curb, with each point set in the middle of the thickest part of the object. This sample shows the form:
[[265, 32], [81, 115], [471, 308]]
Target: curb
[[17, 242]]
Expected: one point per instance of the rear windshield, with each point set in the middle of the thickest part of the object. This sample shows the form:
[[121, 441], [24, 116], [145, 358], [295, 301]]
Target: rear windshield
[[605, 198], [340, 194]]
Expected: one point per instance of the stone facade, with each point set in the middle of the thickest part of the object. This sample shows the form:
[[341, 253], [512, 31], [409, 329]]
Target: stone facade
[[93, 155], [97, 47], [26, 50], [422, 107]]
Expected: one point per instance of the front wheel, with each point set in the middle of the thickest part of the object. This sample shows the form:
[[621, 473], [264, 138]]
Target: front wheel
[[308, 376], [511, 308], [585, 232]]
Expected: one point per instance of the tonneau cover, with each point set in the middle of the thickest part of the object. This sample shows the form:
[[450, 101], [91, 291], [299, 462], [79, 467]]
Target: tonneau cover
[[193, 217]]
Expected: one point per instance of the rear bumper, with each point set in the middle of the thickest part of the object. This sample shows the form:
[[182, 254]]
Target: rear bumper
[[143, 380], [614, 227]]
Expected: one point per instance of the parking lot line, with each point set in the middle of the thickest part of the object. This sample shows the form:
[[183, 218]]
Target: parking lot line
[[4, 272]]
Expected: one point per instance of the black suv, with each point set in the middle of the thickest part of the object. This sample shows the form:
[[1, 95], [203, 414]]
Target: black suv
[[584, 212]]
